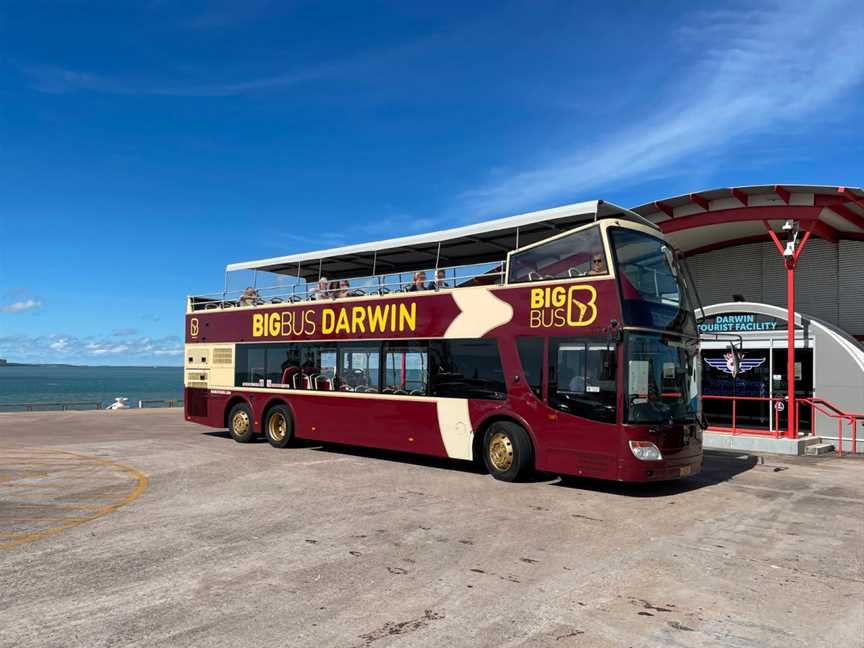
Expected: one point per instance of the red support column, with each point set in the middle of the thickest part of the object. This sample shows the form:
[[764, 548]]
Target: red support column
[[790, 260], [792, 418]]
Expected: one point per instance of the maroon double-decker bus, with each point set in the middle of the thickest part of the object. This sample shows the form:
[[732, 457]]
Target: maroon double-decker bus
[[563, 341]]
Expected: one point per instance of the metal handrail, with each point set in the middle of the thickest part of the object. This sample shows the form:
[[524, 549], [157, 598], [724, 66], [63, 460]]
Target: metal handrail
[[296, 293], [735, 429], [63, 406], [70, 405], [817, 404], [171, 402], [832, 411]]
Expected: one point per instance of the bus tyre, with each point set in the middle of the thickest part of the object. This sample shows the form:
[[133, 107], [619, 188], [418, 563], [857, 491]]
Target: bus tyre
[[278, 427], [507, 451], [240, 423]]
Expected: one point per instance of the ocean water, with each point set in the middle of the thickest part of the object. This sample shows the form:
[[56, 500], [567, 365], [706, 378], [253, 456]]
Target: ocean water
[[45, 384]]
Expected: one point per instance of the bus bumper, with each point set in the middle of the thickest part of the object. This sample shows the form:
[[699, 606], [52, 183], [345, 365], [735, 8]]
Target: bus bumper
[[674, 467]]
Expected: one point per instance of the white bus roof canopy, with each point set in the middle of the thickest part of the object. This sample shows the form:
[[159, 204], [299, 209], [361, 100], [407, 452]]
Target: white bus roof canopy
[[485, 242]]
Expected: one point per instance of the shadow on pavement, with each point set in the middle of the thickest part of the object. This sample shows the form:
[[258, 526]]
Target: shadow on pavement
[[719, 466]]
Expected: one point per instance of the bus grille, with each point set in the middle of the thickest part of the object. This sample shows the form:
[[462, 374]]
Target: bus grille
[[222, 355]]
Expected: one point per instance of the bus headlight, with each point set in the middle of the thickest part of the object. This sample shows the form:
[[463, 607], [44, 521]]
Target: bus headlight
[[645, 451]]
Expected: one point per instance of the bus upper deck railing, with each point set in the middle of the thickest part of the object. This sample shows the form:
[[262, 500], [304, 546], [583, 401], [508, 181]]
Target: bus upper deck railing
[[375, 285]]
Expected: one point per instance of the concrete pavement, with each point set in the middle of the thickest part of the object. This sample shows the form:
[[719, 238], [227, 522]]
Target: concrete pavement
[[243, 545]]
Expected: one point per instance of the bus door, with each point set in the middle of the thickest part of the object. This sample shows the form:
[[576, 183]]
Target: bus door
[[582, 390]]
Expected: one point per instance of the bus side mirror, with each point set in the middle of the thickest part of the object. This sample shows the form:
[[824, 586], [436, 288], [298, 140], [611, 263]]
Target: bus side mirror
[[614, 334]]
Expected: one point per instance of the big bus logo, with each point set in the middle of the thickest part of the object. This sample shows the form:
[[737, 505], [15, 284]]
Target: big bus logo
[[193, 327], [557, 306]]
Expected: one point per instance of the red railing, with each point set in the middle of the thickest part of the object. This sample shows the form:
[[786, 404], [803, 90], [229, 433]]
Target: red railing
[[737, 429], [830, 410], [817, 405]]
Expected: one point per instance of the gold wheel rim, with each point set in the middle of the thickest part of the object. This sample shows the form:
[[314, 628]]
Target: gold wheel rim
[[240, 423], [277, 427], [501, 451]]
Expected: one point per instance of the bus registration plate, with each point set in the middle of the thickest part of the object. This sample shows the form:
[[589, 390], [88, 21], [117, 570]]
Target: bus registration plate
[[684, 471]]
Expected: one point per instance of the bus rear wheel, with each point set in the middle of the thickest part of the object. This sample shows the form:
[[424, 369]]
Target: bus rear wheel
[[240, 423], [278, 427], [507, 451]]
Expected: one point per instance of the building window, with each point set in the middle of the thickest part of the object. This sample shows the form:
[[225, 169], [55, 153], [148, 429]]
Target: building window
[[466, 369], [582, 378]]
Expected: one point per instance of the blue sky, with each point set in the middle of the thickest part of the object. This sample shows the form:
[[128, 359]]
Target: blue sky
[[145, 145]]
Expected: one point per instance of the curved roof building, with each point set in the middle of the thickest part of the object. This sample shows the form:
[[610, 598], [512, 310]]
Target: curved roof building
[[741, 278]]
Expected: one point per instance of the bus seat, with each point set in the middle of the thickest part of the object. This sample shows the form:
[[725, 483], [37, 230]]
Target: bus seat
[[323, 383], [288, 376]]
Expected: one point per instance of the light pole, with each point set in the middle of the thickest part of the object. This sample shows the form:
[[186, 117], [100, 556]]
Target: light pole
[[791, 251]]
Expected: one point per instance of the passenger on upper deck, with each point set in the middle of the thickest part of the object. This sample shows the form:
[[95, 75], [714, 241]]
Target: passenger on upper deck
[[419, 282], [439, 282], [249, 297], [598, 265], [344, 287], [333, 289], [320, 292]]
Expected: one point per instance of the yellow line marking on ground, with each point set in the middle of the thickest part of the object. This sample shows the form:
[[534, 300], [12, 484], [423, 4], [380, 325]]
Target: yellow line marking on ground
[[83, 496], [20, 485], [114, 477], [141, 482], [25, 470], [55, 506], [39, 518]]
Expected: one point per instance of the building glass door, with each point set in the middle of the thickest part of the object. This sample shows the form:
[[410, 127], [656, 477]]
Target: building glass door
[[803, 385]]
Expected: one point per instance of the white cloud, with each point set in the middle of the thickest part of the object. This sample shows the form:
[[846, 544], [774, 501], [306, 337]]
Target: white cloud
[[17, 307], [54, 80], [68, 348], [753, 72], [168, 352]]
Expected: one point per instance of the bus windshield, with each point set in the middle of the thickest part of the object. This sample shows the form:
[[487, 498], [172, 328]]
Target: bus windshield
[[653, 291], [662, 379]]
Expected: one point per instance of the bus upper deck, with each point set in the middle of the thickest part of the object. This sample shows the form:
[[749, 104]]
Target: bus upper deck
[[474, 255]]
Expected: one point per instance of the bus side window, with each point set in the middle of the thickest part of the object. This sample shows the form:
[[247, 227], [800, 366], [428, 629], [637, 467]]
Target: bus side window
[[582, 378], [358, 367], [250, 366], [405, 368], [531, 357], [466, 369]]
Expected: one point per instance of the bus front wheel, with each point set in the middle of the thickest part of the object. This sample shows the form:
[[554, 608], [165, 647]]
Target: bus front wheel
[[507, 451], [278, 427], [240, 423]]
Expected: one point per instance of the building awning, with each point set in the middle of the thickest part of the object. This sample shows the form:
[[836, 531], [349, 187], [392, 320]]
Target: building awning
[[707, 220], [486, 242]]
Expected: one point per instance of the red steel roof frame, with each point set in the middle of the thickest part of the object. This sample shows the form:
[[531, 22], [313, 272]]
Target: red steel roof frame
[[768, 212]]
